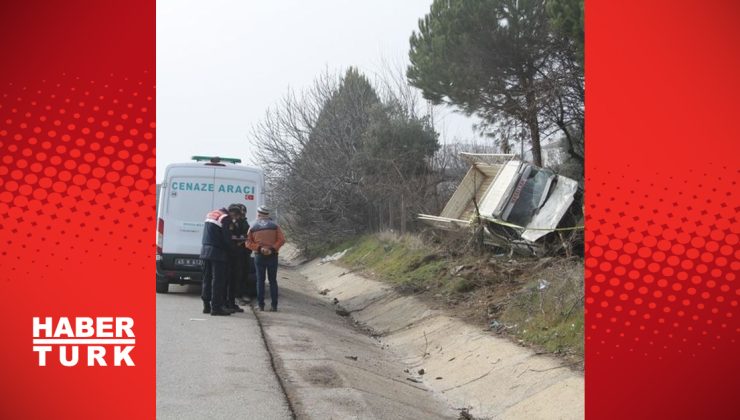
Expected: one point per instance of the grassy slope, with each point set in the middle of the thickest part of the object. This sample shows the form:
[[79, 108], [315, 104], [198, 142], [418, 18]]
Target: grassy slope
[[498, 292]]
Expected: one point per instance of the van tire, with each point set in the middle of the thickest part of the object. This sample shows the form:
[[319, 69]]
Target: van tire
[[163, 287]]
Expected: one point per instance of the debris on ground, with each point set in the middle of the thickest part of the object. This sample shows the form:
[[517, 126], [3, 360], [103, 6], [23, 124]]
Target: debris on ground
[[351, 357], [421, 371], [334, 257], [438, 378], [457, 270], [536, 299], [335, 301], [465, 415], [324, 292]]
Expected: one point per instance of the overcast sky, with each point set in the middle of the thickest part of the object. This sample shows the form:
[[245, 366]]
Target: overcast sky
[[221, 64]]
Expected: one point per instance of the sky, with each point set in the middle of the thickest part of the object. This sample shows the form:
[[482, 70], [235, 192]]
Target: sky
[[221, 64]]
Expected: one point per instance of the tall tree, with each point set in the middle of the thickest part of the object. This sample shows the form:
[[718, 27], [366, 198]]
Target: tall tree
[[342, 159], [487, 57], [327, 177], [398, 143], [566, 76], [566, 17], [396, 156]]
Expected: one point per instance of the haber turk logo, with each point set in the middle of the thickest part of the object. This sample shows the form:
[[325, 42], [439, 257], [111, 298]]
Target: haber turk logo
[[86, 341]]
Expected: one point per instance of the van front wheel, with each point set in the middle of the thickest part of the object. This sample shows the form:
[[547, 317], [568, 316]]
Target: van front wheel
[[163, 287]]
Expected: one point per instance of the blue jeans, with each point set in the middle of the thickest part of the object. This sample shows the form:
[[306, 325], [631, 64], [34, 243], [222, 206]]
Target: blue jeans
[[266, 265]]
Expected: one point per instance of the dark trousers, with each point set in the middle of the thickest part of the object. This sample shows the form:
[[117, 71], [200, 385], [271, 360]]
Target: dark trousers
[[236, 276], [214, 282], [266, 265], [242, 285]]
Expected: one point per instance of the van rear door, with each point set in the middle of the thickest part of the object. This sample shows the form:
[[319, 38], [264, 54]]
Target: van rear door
[[189, 196], [238, 186]]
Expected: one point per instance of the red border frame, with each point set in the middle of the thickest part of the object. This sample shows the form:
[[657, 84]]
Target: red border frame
[[77, 129], [662, 228], [77, 163]]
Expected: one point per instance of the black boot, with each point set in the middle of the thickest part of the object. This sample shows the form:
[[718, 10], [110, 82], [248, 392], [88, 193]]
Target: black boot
[[234, 307], [206, 307], [222, 311]]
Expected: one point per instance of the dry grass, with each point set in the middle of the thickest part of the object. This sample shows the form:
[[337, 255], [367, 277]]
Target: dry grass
[[536, 302]]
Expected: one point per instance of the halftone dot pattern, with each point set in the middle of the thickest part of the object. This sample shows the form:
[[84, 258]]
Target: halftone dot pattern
[[77, 199], [662, 277], [77, 171]]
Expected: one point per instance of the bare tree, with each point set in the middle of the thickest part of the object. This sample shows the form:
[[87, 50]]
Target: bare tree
[[342, 159]]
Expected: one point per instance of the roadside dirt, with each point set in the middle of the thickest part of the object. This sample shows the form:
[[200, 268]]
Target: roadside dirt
[[499, 307], [489, 376], [332, 370], [536, 302]]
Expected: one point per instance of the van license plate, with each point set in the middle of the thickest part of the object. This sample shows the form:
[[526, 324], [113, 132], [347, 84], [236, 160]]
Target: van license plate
[[188, 262]]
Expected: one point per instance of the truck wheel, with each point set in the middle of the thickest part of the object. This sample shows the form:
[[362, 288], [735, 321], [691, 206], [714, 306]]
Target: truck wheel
[[163, 287]]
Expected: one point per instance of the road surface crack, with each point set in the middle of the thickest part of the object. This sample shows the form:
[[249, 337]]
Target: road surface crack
[[273, 365]]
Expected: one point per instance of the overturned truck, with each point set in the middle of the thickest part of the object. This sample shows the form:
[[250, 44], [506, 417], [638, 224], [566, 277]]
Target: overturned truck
[[515, 205]]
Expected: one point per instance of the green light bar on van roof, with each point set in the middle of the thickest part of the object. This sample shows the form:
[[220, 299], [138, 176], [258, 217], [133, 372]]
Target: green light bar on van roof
[[216, 159]]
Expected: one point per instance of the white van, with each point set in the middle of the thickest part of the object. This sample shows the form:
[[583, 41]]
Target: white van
[[187, 193]]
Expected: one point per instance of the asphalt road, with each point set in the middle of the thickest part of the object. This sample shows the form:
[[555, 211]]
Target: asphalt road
[[332, 370], [212, 367], [220, 368]]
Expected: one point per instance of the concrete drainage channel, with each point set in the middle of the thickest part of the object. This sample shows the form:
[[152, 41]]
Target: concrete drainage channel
[[331, 370], [451, 361]]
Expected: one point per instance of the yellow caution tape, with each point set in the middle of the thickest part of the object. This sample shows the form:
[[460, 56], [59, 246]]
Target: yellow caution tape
[[502, 223]]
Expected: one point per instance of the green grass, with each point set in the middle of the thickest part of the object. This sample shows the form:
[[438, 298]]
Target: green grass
[[401, 260], [550, 319]]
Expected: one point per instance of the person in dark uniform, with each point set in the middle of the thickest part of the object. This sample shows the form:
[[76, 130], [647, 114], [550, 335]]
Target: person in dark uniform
[[236, 256], [242, 286], [214, 252]]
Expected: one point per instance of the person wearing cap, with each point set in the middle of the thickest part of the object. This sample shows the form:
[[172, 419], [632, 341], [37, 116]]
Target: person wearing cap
[[238, 233], [214, 252], [265, 239]]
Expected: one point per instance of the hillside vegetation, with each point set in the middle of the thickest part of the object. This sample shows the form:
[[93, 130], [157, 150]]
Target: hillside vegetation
[[536, 302]]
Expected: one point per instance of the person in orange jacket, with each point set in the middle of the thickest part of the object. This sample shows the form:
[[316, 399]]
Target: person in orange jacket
[[265, 238]]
